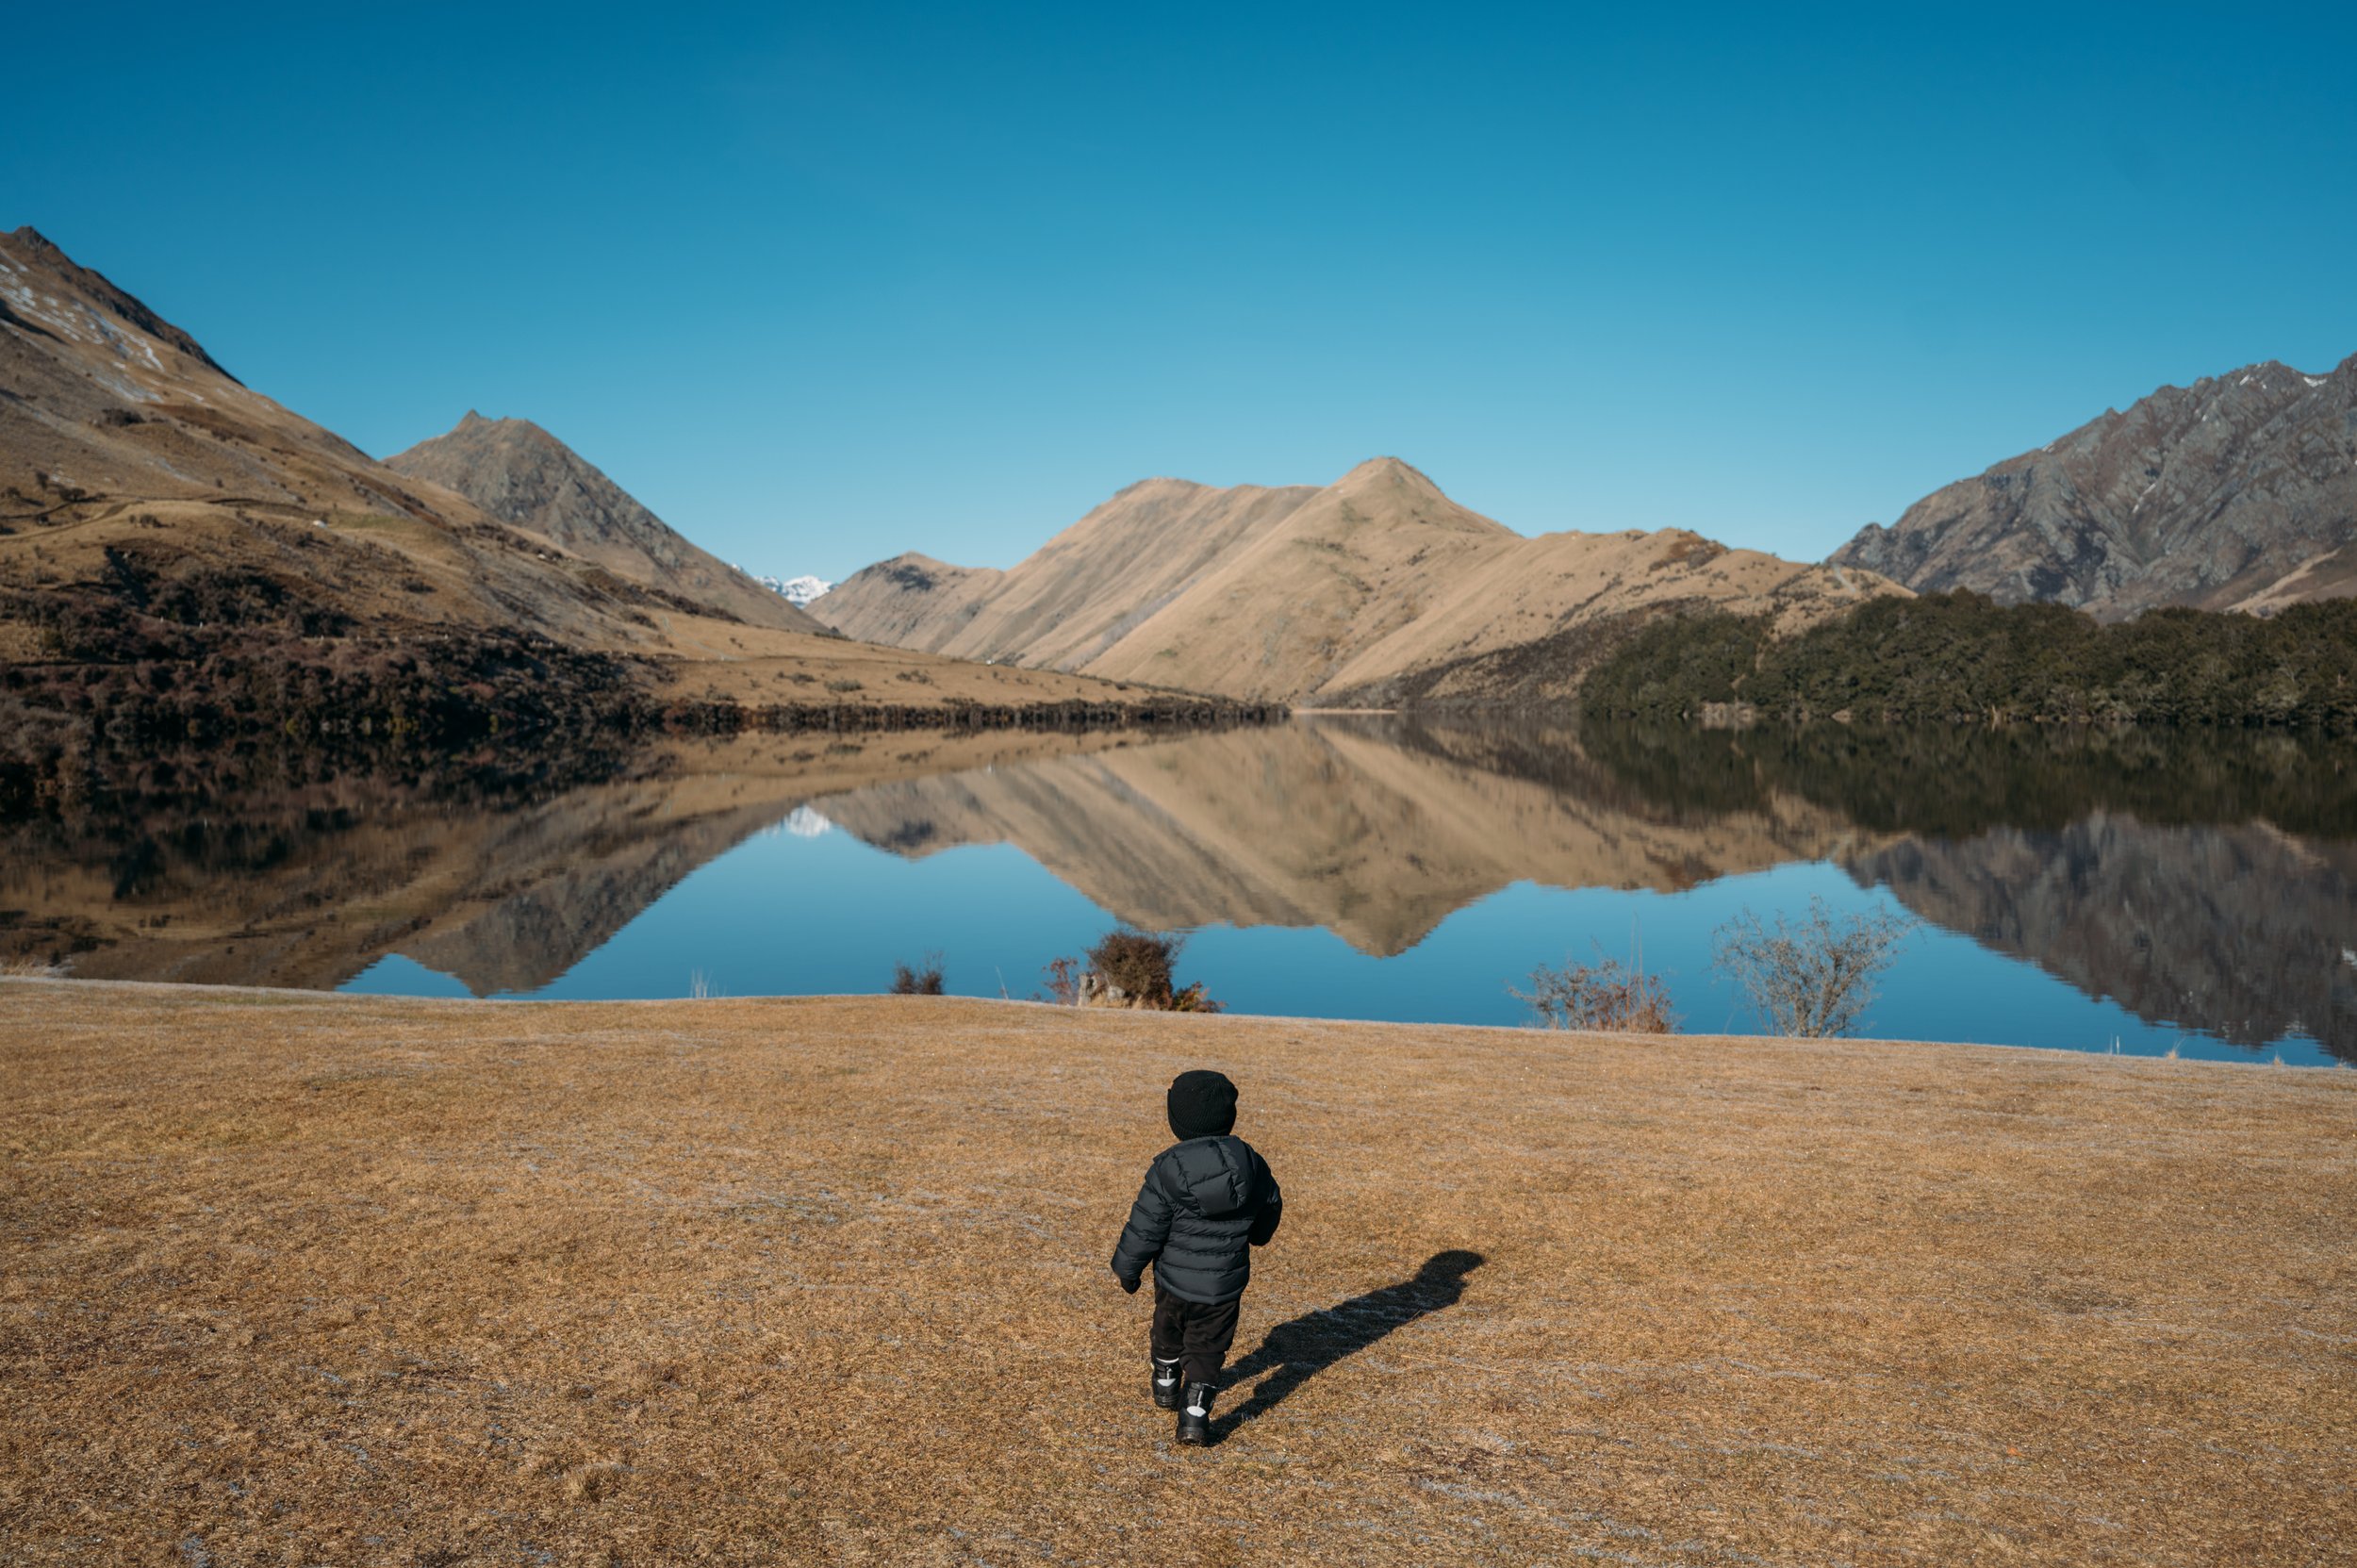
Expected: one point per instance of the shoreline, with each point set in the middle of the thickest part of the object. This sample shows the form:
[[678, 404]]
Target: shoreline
[[1147, 1018]]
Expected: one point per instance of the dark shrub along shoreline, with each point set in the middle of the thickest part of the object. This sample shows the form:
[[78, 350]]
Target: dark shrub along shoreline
[[1959, 658], [65, 727]]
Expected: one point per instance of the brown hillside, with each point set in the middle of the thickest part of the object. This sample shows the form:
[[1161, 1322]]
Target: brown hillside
[[1349, 566], [153, 509], [125, 450], [911, 600], [522, 475], [1078, 594], [1376, 591]]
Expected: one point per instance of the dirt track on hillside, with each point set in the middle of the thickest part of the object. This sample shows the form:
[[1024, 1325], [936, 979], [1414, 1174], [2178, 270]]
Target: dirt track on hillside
[[289, 1277]]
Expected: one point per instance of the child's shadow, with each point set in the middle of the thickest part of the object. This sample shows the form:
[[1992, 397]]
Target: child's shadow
[[1308, 1345]]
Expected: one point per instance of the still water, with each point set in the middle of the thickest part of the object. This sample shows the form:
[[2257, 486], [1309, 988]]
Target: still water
[[2129, 892]]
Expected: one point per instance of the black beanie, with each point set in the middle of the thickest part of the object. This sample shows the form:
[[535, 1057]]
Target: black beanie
[[1202, 1104]]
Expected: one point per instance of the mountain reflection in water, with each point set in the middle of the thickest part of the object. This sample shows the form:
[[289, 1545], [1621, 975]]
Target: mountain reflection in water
[[2205, 884]]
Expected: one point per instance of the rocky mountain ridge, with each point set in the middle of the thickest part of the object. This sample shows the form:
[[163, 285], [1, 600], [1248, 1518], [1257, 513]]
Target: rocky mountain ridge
[[2236, 492]]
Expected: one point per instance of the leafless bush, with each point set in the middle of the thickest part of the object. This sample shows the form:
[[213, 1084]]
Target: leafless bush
[[923, 979], [1812, 976], [1604, 998], [1193, 998], [1128, 968], [31, 968], [1137, 964], [1063, 982]]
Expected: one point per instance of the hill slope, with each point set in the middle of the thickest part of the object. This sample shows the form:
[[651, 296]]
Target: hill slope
[[184, 560], [911, 600], [2223, 495], [522, 475], [1377, 588], [135, 470], [1076, 595]]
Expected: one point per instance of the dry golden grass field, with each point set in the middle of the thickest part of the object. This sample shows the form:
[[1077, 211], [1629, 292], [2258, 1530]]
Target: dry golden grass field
[[306, 1279]]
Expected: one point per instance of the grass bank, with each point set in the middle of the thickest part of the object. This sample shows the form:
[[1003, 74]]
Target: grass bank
[[291, 1278]]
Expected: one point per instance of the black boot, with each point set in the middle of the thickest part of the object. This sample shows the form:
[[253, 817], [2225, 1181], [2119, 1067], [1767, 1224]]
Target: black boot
[[1195, 1417], [1165, 1384]]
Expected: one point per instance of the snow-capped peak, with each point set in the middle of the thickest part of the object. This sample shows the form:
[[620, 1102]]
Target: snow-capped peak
[[798, 591]]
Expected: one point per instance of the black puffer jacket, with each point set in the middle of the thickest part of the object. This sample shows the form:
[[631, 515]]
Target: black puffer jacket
[[1206, 1203]]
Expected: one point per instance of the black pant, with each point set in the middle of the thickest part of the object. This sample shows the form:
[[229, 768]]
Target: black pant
[[1191, 1330]]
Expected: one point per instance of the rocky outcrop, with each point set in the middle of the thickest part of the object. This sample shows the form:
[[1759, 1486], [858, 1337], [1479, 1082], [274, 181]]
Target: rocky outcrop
[[2235, 492]]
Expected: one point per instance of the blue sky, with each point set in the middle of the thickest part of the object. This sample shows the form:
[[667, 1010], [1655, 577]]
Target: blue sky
[[822, 285]]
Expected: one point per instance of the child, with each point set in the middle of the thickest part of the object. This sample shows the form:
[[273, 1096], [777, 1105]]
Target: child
[[1205, 1198]]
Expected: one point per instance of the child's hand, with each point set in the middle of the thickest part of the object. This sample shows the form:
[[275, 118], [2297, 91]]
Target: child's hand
[[1121, 1285]]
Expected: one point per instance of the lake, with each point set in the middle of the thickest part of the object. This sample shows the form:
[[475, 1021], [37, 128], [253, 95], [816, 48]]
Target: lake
[[2116, 892]]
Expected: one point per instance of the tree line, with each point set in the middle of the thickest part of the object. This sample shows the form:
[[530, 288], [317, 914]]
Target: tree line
[[1962, 658]]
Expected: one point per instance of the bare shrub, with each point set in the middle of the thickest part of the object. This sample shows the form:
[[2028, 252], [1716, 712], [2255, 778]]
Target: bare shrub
[[1812, 976], [31, 968], [923, 979], [1193, 998], [1128, 968], [1137, 964], [1604, 998], [1063, 982]]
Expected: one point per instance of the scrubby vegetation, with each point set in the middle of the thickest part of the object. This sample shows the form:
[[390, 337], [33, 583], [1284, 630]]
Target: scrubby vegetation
[[1956, 782], [67, 729], [1128, 968], [194, 664], [1604, 998], [1811, 974], [1961, 659], [922, 979], [1806, 976]]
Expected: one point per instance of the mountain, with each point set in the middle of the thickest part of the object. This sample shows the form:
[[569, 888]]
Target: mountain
[[1076, 596], [526, 477], [911, 600], [1376, 589], [137, 477], [184, 561], [796, 591], [2237, 492]]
